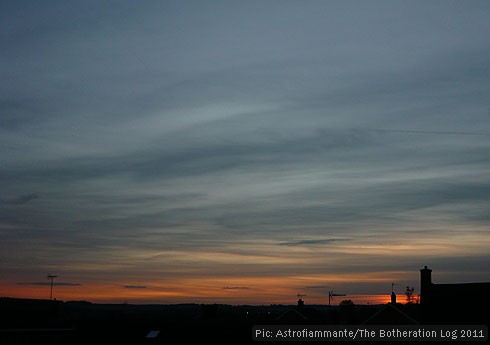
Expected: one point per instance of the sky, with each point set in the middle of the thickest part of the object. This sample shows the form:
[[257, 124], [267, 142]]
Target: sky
[[242, 151]]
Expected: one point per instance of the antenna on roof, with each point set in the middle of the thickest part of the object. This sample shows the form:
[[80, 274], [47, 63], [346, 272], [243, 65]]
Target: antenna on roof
[[392, 285], [51, 276], [331, 295], [301, 303]]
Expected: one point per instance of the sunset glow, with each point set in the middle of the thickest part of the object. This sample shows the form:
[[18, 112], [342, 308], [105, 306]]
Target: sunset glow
[[242, 152], [240, 291]]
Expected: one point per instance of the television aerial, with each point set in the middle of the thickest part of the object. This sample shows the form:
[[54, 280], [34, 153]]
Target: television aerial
[[331, 295], [51, 276], [392, 286], [300, 296]]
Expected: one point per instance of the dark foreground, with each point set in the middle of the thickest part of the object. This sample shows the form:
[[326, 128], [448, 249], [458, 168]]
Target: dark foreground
[[54, 322]]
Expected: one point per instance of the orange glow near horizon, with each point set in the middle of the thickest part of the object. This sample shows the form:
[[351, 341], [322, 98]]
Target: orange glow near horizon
[[253, 291], [254, 272]]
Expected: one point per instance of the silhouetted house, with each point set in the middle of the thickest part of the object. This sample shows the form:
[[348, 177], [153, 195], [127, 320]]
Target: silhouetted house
[[453, 303], [294, 315], [391, 314], [209, 311], [291, 317], [434, 294]]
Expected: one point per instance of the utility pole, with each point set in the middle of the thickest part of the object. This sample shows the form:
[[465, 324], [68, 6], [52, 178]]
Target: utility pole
[[51, 276]]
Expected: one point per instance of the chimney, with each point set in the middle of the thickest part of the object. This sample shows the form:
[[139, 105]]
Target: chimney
[[393, 298], [425, 284], [301, 303]]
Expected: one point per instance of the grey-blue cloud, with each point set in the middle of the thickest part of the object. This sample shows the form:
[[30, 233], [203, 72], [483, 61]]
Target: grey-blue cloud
[[312, 242], [49, 283], [135, 287], [22, 199], [142, 132]]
